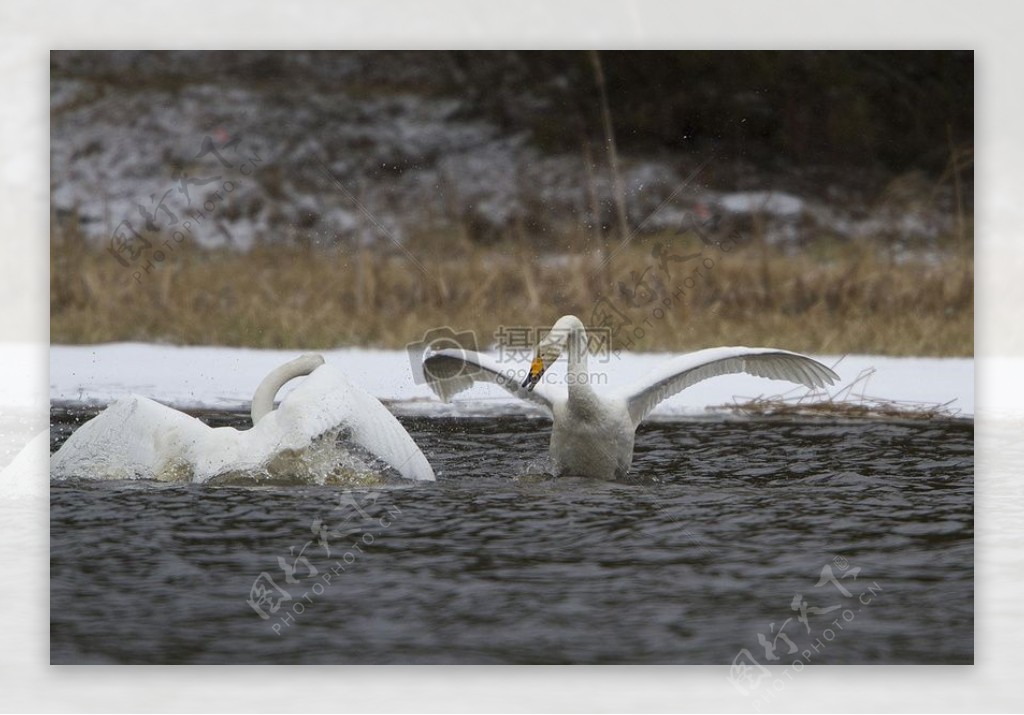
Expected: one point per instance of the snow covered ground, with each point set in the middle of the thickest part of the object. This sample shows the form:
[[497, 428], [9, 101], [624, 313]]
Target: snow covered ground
[[225, 378]]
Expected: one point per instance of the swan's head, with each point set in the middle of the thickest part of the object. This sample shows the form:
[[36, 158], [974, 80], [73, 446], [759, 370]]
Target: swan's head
[[551, 347]]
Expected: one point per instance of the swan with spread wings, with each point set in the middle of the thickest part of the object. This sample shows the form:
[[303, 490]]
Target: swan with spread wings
[[136, 437], [592, 435]]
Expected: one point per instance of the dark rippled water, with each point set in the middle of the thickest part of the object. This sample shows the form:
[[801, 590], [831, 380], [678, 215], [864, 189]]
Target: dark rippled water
[[854, 541]]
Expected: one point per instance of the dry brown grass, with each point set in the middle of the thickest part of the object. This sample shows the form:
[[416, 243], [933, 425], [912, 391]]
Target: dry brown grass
[[848, 299]]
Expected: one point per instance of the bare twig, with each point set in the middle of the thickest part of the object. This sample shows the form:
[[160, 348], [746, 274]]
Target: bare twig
[[613, 156], [841, 404]]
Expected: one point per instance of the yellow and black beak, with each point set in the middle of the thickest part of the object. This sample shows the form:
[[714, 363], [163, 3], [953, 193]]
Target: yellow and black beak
[[537, 368]]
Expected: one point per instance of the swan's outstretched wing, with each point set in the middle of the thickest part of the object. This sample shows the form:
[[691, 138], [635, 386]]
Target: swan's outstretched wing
[[449, 372], [325, 401], [687, 370], [132, 438]]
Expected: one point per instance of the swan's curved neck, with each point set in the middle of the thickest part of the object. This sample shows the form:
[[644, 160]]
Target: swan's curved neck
[[579, 385], [263, 398]]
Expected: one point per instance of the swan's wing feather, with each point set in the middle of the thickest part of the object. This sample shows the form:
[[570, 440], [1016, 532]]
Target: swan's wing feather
[[326, 400], [380, 432], [133, 437], [449, 372], [687, 370]]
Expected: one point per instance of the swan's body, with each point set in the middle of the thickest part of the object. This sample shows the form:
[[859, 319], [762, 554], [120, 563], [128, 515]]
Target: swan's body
[[592, 435], [137, 437]]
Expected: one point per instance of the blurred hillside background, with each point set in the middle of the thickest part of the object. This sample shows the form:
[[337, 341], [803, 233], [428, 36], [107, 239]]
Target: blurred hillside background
[[820, 201]]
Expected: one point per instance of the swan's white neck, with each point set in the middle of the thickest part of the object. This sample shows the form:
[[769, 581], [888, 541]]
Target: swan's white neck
[[579, 386], [263, 398]]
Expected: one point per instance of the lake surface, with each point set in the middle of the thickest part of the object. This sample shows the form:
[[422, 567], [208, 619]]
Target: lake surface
[[753, 542]]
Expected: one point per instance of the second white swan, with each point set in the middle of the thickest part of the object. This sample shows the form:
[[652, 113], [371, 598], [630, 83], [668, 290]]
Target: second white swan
[[592, 435], [136, 437]]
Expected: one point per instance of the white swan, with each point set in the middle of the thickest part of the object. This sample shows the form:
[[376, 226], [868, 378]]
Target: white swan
[[592, 435], [137, 437]]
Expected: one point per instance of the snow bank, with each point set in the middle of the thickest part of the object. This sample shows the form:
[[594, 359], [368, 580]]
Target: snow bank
[[225, 378]]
